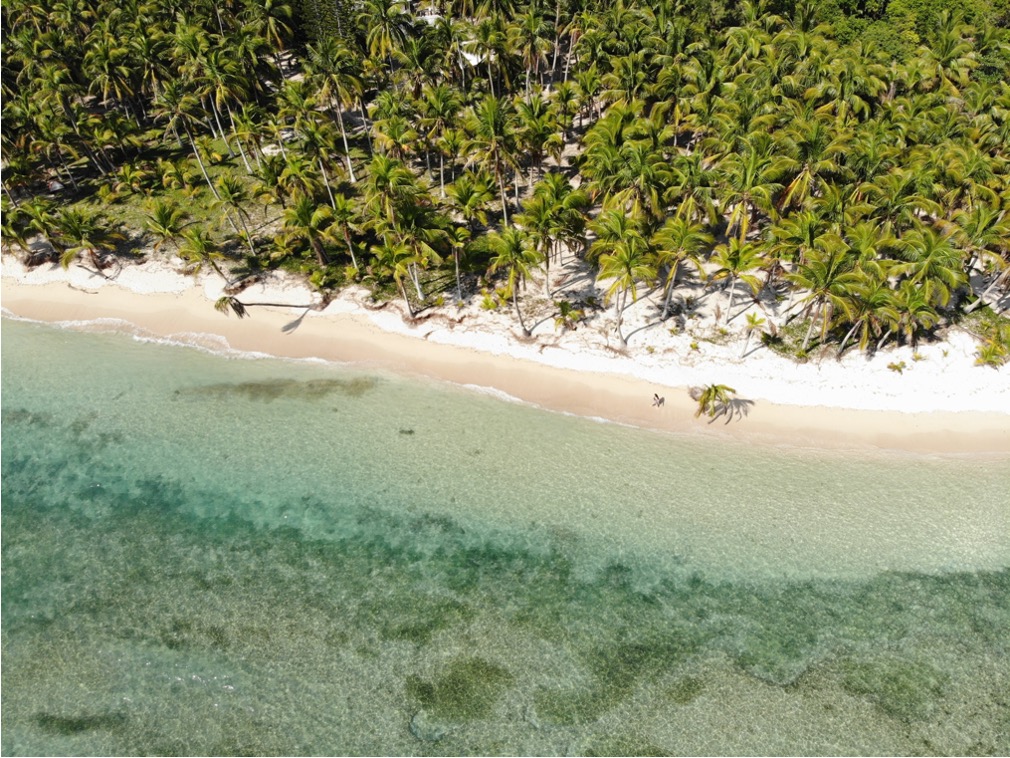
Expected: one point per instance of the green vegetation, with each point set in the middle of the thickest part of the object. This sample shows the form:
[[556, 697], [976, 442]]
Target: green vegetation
[[467, 690], [845, 161]]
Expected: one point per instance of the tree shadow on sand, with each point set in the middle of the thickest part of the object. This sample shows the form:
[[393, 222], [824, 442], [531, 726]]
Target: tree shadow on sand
[[736, 408]]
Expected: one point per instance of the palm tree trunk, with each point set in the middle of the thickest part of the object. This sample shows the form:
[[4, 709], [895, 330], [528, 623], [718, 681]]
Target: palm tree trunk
[[224, 135], [810, 331], [403, 294], [347, 149], [417, 282], [326, 181], [670, 282], [519, 313], [557, 40], [350, 248], [245, 228], [504, 200], [9, 195], [441, 173], [620, 316], [547, 270], [992, 285], [238, 140], [848, 336], [318, 250], [732, 291], [883, 339], [203, 168], [459, 288]]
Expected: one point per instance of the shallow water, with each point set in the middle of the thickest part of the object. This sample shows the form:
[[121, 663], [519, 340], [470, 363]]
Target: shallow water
[[226, 556]]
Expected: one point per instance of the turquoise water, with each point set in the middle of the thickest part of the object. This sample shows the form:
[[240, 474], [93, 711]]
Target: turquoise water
[[210, 555]]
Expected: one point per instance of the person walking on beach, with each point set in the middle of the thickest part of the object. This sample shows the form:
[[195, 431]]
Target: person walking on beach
[[657, 401]]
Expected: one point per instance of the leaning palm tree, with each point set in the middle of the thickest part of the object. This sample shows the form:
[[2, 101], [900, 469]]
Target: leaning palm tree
[[198, 248], [84, 233], [713, 399]]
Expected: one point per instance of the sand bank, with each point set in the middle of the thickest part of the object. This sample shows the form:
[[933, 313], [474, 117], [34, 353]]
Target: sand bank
[[942, 404]]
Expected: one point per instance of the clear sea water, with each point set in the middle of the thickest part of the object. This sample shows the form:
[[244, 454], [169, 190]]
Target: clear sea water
[[215, 555]]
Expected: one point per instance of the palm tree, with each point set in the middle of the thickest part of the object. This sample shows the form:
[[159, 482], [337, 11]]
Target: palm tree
[[628, 263], [231, 197], [198, 248], [346, 218], [869, 307], [828, 277], [395, 257], [387, 24], [492, 142], [712, 399], [84, 233], [181, 110], [336, 68], [512, 252], [932, 263], [735, 259], [441, 104], [166, 222], [390, 185], [984, 233], [748, 185], [538, 133], [470, 196], [676, 242], [458, 236], [754, 322], [305, 221]]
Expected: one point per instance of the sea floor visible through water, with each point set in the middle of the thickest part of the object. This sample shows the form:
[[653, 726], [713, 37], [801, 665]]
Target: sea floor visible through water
[[207, 554]]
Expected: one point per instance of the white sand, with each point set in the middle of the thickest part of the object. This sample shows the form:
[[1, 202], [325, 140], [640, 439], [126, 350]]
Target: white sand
[[941, 402]]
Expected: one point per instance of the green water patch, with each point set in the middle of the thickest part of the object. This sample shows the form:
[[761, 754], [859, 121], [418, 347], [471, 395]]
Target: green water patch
[[269, 390], [467, 689], [905, 689], [71, 725]]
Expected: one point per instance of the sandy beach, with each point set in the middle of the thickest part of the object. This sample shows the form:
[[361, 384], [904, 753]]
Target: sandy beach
[[941, 403]]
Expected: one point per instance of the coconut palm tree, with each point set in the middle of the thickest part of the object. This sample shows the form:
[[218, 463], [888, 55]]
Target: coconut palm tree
[[307, 222], [713, 399], [932, 263], [827, 276], [735, 260], [439, 109], [84, 233], [492, 144], [678, 241], [511, 251], [198, 248], [628, 263], [470, 196], [335, 67], [166, 222]]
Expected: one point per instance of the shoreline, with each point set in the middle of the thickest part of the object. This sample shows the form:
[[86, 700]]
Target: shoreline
[[558, 373]]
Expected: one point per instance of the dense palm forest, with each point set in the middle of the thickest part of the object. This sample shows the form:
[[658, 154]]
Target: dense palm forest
[[848, 162]]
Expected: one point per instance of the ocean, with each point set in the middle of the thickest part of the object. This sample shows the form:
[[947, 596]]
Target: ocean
[[221, 554]]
